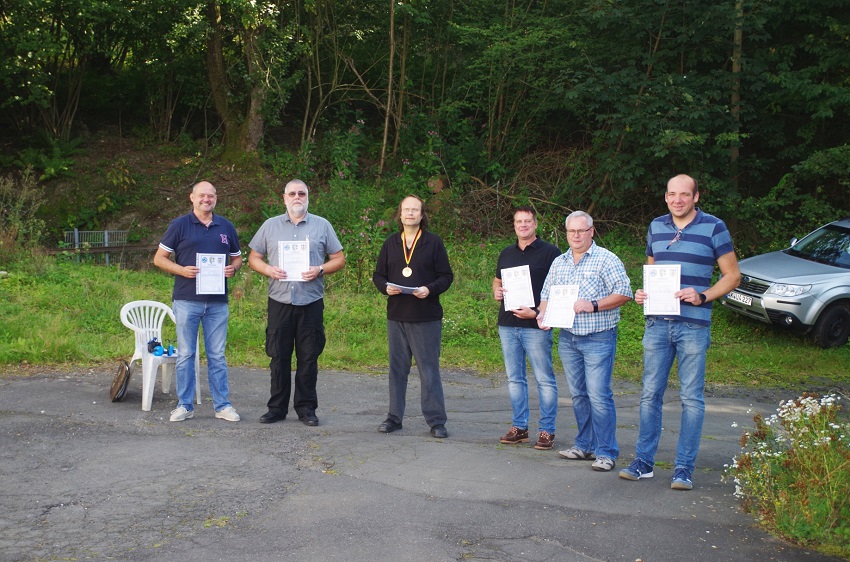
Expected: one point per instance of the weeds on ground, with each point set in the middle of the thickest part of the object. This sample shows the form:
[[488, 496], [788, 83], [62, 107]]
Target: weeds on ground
[[793, 473]]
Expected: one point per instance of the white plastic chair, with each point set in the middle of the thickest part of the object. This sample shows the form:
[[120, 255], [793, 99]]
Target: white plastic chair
[[145, 318]]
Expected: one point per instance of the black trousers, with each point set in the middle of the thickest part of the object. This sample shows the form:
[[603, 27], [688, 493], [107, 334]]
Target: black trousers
[[300, 329]]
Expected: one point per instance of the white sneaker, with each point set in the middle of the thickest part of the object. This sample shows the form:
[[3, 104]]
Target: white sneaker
[[228, 414], [180, 413], [602, 464]]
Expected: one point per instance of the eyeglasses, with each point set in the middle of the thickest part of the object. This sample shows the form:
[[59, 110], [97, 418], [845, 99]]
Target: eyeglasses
[[574, 232], [297, 194], [675, 239]]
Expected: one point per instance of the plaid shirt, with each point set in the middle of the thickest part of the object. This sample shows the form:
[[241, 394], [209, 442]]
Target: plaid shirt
[[599, 273]]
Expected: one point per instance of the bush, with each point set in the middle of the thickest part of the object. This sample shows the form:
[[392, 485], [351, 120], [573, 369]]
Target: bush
[[794, 473], [20, 200]]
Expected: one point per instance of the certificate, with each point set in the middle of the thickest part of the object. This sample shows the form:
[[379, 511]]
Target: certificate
[[404, 290], [294, 258], [210, 278], [561, 312], [660, 282], [516, 283]]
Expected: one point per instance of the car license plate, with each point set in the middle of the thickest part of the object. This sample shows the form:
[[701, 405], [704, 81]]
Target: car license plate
[[738, 297]]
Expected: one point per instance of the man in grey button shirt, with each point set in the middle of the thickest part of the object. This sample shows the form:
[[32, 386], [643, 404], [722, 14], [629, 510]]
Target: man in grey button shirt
[[295, 308]]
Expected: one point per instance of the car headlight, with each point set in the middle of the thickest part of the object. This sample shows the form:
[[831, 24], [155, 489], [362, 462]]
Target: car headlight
[[783, 290]]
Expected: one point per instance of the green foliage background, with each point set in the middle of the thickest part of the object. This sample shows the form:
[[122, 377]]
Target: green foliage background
[[57, 312]]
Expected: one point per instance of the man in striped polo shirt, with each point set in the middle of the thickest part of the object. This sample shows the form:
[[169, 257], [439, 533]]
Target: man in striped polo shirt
[[697, 241]]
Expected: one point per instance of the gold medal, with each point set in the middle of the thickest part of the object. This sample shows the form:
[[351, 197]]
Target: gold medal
[[407, 272]]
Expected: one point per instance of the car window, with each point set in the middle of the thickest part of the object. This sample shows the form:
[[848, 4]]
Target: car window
[[829, 245]]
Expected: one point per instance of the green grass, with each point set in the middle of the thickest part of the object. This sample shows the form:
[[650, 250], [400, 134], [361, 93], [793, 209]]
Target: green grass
[[58, 312]]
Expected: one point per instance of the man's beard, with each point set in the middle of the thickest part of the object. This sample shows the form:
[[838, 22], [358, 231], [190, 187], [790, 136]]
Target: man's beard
[[298, 212]]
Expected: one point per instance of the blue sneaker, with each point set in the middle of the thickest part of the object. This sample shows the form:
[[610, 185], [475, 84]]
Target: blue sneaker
[[637, 470], [682, 479]]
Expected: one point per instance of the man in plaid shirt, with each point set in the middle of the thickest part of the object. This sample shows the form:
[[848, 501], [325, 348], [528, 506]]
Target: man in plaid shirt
[[587, 349]]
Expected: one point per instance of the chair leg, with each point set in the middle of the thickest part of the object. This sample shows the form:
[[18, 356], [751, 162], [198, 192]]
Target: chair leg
[[148, 381], [168, 373]]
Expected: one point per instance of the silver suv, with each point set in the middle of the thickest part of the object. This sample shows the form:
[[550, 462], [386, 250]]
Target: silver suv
[[805, 287]]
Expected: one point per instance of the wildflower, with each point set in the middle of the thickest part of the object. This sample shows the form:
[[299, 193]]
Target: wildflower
[[791, 474]]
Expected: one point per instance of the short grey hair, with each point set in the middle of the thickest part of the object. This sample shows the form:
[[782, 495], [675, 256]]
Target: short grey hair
[[296, 183], [579, 215]]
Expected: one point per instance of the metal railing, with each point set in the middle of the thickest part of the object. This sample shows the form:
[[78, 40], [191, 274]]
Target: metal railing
[[82, 239]]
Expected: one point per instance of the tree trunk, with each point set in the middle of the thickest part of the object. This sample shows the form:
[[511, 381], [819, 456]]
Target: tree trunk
[[737, 51], [389, 108], [243, 129], [399, 115]]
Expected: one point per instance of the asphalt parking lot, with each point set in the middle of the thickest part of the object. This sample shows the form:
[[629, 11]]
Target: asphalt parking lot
[[87, 479]]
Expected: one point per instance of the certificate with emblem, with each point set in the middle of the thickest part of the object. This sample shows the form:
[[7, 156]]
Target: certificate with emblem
[[294, 257], [516, 282], [210, 278], [660, 282], [560, 311]]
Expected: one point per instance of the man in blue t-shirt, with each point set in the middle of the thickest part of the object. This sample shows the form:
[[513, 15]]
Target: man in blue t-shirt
[[695, 240], [200, 232]]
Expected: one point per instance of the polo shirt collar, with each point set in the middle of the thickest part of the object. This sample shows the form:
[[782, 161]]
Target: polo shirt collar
[[532, 245], [286, 217], [668, 219], [196, 220]]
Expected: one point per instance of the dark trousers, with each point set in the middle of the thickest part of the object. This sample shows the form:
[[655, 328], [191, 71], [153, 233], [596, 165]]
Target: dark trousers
[[300, 329], [420, 341]]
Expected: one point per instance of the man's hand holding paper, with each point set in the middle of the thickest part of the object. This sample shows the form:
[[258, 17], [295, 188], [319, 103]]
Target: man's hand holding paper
[[661, 284], [560, 310]]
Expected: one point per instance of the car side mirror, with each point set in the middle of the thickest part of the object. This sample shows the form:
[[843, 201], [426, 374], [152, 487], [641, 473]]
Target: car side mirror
[[793, 240]]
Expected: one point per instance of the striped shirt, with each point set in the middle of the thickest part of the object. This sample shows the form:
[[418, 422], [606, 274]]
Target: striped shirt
[[598, 274], [697, 248]]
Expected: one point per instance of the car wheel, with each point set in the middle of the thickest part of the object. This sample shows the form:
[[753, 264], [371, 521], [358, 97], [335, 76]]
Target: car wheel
[[833, 327]]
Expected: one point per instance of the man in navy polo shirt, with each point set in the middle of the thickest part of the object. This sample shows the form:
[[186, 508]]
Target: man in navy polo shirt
[[696, 240], [521, 337], [200, 231]]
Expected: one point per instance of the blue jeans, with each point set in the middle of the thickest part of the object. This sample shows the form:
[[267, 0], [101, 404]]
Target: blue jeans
[[588, 364], [419, 340], [664, 341], [535, 345], [213, 316]]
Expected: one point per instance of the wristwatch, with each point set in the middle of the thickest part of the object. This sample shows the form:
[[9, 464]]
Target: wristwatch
[[321, 270], [595, 306], [702, 298]]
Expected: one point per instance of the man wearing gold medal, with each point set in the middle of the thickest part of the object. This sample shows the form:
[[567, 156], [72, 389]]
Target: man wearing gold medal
[[413, 270]]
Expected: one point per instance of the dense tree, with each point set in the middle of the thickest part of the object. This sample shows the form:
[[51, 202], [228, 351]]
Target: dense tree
[[577, 103]]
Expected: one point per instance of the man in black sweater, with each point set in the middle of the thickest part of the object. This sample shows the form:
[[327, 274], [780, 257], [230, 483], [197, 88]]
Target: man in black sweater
[[413, 270]]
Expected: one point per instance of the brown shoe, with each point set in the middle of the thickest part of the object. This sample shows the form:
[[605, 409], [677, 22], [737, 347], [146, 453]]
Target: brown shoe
[[544, 441], [514, 436]]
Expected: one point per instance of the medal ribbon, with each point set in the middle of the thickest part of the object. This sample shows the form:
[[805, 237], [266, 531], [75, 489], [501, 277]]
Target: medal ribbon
[[408, 256]]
